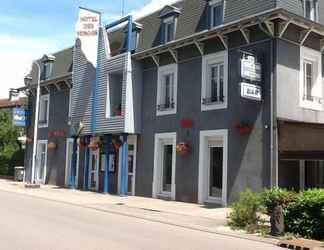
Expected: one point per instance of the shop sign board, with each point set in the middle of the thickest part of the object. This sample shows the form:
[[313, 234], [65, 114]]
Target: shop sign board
[[19, 117], [251, 91], [87, 30], [251, 69]]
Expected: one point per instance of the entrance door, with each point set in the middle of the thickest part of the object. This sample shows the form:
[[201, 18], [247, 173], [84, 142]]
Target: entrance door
[[68, 161], [215, 172], [212, 180], [41, 157], [164, 166], [94, 170], [131, 165]]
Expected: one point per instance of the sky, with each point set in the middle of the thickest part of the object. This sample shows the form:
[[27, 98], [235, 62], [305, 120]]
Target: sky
[[32, 28]]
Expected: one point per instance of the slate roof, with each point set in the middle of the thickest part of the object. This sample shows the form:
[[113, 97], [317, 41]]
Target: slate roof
[[192, 19], [6, 103]]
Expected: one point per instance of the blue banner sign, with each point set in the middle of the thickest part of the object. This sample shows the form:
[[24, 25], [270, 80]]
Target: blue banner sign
[[19, 117]]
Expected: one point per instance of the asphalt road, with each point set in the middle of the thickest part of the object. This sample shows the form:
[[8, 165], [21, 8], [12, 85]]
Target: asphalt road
[[29, 223]]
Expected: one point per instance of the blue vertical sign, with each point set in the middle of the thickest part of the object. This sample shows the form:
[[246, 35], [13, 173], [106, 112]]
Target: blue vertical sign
[[19, 117]]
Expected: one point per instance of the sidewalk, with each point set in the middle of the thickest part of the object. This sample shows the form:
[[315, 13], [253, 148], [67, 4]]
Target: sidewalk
[[192, 216]]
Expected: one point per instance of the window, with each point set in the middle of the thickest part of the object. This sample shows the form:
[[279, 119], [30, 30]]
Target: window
[[47, 70], [214, 81], [167, 90], [308, 80], [216, 12], [311, 79], [114, 94], [311, 9], [169, 29], [43, 111]]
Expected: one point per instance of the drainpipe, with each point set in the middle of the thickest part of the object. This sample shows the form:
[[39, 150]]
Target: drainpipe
[[36, 123]]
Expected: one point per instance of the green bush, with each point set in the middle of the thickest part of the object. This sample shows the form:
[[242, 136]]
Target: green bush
[[276, 196], [305, 216], [244, 214]]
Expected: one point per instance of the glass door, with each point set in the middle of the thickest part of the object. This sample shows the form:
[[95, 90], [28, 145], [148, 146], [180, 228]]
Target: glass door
[[131, 165], [41, 157], [167, 168], [94, 170], [215, 173]]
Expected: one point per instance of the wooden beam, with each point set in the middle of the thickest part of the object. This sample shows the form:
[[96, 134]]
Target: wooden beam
[[47, 89], [156, 60], [322, 44], [304, 35], [224, 40], [200, 47], [270, 27], [57, 86], [174, 54], [283, 27], [246, 34]]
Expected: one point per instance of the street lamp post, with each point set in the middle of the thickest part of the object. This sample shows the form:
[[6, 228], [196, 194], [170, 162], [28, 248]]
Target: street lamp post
[[36, 122]]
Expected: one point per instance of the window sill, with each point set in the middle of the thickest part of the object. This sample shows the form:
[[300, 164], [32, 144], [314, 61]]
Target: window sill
[[213, 106], [311, 105], [42, 125], [166, 112]]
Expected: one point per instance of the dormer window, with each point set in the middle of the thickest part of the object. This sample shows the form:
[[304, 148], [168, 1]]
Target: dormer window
[[311, 9], [169, 29], [48, 62], [136, 30], [169, 16], [216, 8]]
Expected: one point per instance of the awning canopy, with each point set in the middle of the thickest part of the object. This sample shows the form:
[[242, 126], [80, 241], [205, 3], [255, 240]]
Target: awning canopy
[[301, 138]]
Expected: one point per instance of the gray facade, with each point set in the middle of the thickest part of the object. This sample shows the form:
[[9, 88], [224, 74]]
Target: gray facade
[[274, 32]]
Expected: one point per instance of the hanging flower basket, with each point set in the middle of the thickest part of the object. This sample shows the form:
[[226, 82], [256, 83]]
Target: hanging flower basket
[[51, 145], [93, 144], [183, 148], [117, 143], [83, 143], [243, 128]]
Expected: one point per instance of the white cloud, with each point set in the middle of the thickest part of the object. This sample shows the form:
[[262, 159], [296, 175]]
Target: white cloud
[[16, 56]]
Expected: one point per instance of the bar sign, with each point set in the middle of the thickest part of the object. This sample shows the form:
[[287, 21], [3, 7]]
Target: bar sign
[[251, 91]]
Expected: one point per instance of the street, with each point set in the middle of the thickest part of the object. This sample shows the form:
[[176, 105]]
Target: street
[[29, 223]]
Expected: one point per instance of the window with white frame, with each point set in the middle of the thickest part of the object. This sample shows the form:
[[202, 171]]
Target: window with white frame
[[43, 111], [169, 28], [167, 90], [214, 81], [47, 67], [311, 79], [216, 8], [311, 9]]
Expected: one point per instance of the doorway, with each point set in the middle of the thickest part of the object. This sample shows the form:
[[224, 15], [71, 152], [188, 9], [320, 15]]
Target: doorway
[[41, 161], [164, 166], [94, 170], [212, 180]]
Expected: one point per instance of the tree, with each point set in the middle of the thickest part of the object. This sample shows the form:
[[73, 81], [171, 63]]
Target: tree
[[10, 150]]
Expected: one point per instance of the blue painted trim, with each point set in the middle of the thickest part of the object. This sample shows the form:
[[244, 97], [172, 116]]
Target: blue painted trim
[[94, 101], [73, 164], [106, 174], [124, 167], [128, 19], [83, 8], [86, 166]]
